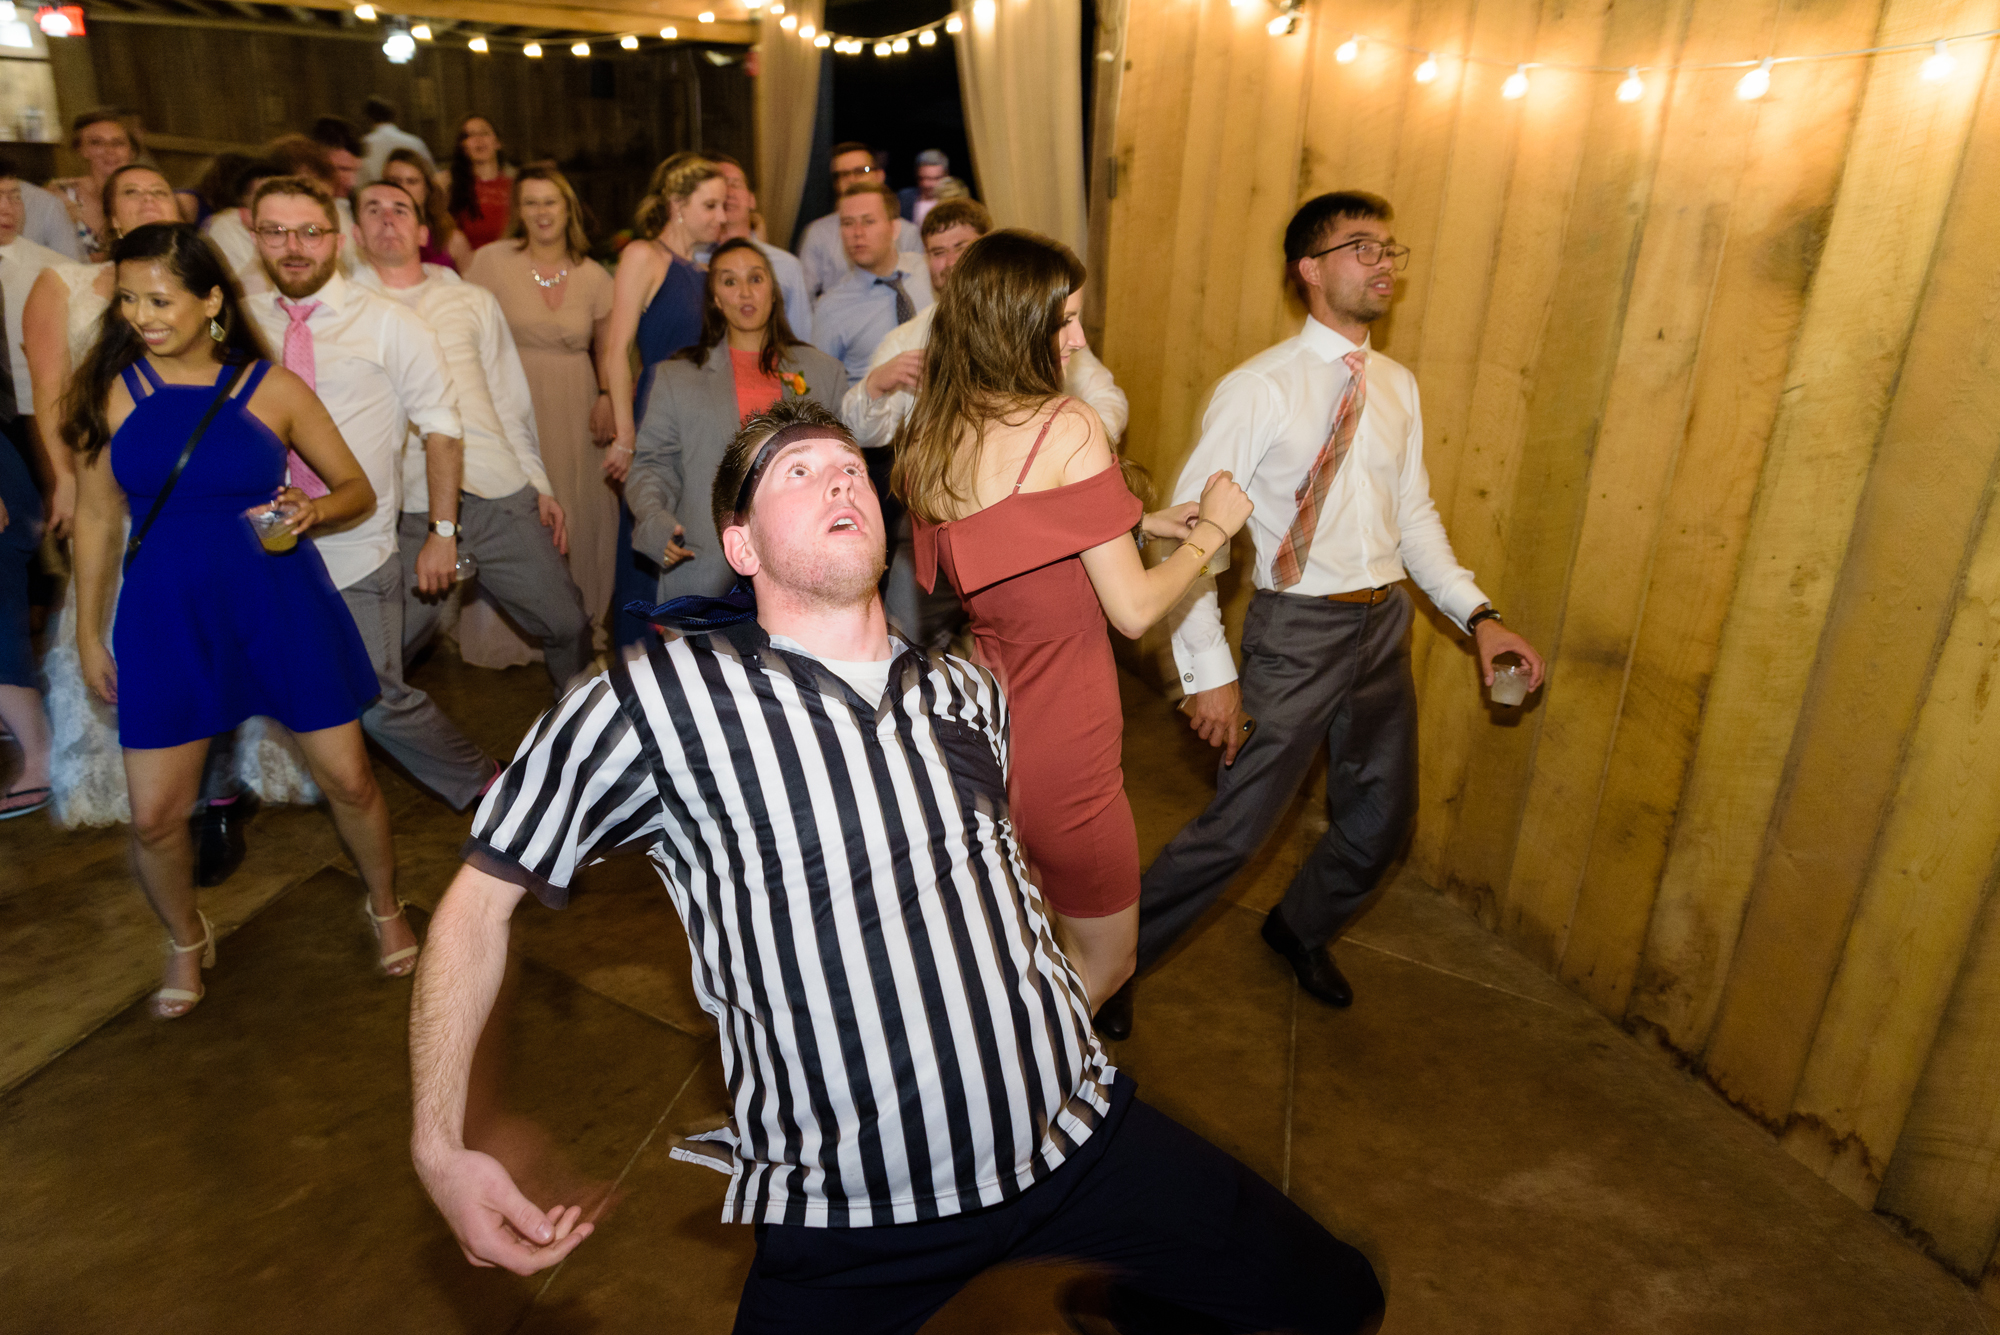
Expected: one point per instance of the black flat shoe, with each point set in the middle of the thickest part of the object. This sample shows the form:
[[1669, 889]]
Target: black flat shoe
[[1114, 1017], [1316, 970], [219, 844]]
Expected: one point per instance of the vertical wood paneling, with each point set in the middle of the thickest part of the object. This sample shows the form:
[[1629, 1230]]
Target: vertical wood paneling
[[1709, 389]]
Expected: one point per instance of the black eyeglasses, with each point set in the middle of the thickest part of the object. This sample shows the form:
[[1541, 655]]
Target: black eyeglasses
[[1371, 252]]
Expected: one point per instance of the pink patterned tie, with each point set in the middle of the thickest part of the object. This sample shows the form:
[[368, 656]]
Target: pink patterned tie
[[299, 361], [1290, 563]]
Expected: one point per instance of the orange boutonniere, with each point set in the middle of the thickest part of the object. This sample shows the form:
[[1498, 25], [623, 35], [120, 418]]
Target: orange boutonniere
[[794, 382]]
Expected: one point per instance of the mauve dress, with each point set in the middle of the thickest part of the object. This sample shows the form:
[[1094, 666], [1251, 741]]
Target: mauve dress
[[1018, 568]]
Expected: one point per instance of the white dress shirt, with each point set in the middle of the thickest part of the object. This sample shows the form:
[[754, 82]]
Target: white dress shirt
[[502, 451], [20, 261], [825, 259], [379, 370], [383, 140], [1266, 424], [874, 421], [49, 224]]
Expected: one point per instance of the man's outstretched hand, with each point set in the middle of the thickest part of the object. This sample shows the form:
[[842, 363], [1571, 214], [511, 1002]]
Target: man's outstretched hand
[[494, 1223]]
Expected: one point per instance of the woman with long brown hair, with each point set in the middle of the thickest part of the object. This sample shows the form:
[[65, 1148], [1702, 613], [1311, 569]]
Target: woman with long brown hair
[[482, 181], [1016, 493]]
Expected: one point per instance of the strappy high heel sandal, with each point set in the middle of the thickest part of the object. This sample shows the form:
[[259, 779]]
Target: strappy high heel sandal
[[387, 964], [170, 996]]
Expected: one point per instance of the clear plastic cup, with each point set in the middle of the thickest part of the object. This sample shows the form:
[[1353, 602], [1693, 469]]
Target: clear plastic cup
[[465, 569], [1511, 675], [273, 525]]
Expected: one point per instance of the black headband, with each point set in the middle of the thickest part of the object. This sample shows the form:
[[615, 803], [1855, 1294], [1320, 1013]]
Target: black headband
[[768, 451]]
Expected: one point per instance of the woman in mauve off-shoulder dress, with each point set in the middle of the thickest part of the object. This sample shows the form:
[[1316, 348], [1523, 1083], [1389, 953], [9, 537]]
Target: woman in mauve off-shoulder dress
[[1018, 497]]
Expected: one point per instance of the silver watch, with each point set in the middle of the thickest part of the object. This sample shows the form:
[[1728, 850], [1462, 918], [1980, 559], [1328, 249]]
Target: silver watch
[[444, 528]]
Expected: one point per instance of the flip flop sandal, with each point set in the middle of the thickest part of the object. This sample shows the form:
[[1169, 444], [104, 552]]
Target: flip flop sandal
[[8, 813]]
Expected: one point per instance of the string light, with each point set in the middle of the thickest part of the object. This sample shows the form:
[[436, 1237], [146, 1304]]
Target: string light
[[1282, 26], [954, 25], [399, 47], [1940, 65], [533, 50], [669, 34], [806, 30], [629, 42], [421, 31], [1756, 83], [1348, 50], [901, 46], [927, 37], [1428, 71], [822, 41], [778, 7], [366, 13], [894, 43], [1516, 86], [477, 46], [881, 48], [789, 22], [579, 48], [706, 16], [1633, 88]]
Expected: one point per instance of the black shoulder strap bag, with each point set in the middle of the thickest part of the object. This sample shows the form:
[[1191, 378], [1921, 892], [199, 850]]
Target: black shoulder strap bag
[[222, 394]]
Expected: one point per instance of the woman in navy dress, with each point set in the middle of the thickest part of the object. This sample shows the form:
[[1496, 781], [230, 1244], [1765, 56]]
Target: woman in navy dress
[[212, 628], [658, 295]]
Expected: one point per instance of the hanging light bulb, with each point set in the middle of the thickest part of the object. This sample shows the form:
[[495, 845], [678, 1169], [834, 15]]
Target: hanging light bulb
[[982, 12], [477, 46], [1633, 88], [579, 48], [806, 30], [629, 42], [366, 13], [928, 37], [789, 23], [1284, 25], [881, 48], [399, 47], [1516, 86], [954, 25], [1756, 83], [669, 34], [901, 46], [421, 31], [1348, 50], [822, 41], [1428, 71], [777, 6], [1939, 65], [533, 50], [706, 16]]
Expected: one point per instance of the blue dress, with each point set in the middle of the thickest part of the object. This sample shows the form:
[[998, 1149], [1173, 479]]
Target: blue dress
[[211, 628], [670, 322]]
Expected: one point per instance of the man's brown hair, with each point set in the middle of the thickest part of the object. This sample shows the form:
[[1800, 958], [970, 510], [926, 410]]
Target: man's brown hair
[[957, 213], [296, 185]]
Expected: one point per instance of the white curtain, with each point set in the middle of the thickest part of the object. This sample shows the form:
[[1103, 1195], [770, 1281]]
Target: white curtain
[[787, 101], [1018, 71]]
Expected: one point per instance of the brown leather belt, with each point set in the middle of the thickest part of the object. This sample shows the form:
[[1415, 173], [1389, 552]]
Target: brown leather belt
[[1366, 597]]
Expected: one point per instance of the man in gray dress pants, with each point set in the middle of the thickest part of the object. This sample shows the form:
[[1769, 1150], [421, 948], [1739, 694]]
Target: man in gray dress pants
[[1326, 435]]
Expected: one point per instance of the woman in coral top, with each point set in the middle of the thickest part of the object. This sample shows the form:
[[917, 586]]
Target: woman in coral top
[[1017, 495]]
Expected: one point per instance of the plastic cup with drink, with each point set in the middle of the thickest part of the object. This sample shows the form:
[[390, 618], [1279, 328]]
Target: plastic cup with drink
[[273, 524], [1511, 676]]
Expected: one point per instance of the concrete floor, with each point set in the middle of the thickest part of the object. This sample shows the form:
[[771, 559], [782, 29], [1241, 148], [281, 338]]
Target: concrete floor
[[1509, 1160]]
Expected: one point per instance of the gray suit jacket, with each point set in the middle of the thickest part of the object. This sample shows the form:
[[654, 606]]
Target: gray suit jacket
[[690, 420]]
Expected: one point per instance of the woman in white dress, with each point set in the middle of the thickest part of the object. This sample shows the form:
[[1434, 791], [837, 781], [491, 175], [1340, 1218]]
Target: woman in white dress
[[64, 311]]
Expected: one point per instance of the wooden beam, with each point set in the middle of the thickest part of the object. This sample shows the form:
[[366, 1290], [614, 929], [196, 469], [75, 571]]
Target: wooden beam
[[644, 17]]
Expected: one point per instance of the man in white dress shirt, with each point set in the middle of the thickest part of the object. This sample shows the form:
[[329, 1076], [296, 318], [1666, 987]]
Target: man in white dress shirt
[[820, 251], [378, 369], [508, 518], [877, 404], [1326, 435], [385, 137], [20, 260]]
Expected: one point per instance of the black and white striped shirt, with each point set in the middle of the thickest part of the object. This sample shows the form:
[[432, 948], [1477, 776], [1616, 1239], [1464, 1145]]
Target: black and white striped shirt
[[901, 1037]]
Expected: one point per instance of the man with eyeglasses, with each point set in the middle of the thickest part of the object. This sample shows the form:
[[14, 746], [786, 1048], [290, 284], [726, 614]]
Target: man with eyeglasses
[[820, 250], [1327, 436], [379, 370]]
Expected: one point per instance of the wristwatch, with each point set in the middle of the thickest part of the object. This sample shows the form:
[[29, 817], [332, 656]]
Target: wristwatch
[[1483, 614], [444, 528]]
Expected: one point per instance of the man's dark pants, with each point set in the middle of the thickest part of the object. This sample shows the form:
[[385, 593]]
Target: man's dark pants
[[1193, 1242], [1313, 671]]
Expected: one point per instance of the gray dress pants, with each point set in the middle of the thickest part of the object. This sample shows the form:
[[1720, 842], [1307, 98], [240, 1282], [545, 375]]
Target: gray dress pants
[[404, 721], [518, 564], [1314, 672]]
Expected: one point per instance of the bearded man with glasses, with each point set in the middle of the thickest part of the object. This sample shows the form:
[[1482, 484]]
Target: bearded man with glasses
[[1326, 435]]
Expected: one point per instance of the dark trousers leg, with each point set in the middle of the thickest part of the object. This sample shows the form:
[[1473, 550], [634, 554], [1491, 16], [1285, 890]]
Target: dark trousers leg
[[1294, 650], [637, 580], [1371, 782]]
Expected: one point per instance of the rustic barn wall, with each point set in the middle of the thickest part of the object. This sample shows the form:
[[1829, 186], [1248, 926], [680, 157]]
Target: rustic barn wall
[[1711, 397], [607, 120]]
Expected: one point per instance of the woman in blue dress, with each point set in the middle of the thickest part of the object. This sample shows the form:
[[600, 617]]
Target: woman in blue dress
[[658, 295], [212, 627]]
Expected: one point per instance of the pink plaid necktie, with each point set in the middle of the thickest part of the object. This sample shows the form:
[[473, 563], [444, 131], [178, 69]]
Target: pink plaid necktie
[[1290, 563], [299, 361]]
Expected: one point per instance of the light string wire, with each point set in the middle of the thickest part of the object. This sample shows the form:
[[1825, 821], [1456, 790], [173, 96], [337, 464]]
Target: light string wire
[[1930, 44]]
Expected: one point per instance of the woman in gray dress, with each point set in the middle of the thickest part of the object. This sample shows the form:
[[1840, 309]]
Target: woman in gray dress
[[747, 359]]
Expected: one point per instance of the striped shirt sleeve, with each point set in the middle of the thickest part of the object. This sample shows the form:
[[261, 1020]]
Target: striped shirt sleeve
[[580, 787]]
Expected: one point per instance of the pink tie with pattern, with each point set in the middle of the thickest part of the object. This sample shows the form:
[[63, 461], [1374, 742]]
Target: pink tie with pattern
[[299, 361], [1290, 563]]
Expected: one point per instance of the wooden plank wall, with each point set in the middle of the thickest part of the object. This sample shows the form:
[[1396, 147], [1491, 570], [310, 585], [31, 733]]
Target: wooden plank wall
[[1710, 388], [607, 120]]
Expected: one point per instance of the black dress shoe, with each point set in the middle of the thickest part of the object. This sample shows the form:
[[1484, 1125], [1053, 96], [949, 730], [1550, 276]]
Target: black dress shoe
[[218, 839], [1315, 968], [1114, 1017]]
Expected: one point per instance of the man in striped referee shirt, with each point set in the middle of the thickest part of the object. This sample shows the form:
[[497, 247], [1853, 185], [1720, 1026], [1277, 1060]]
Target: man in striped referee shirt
[[917, 1093]]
